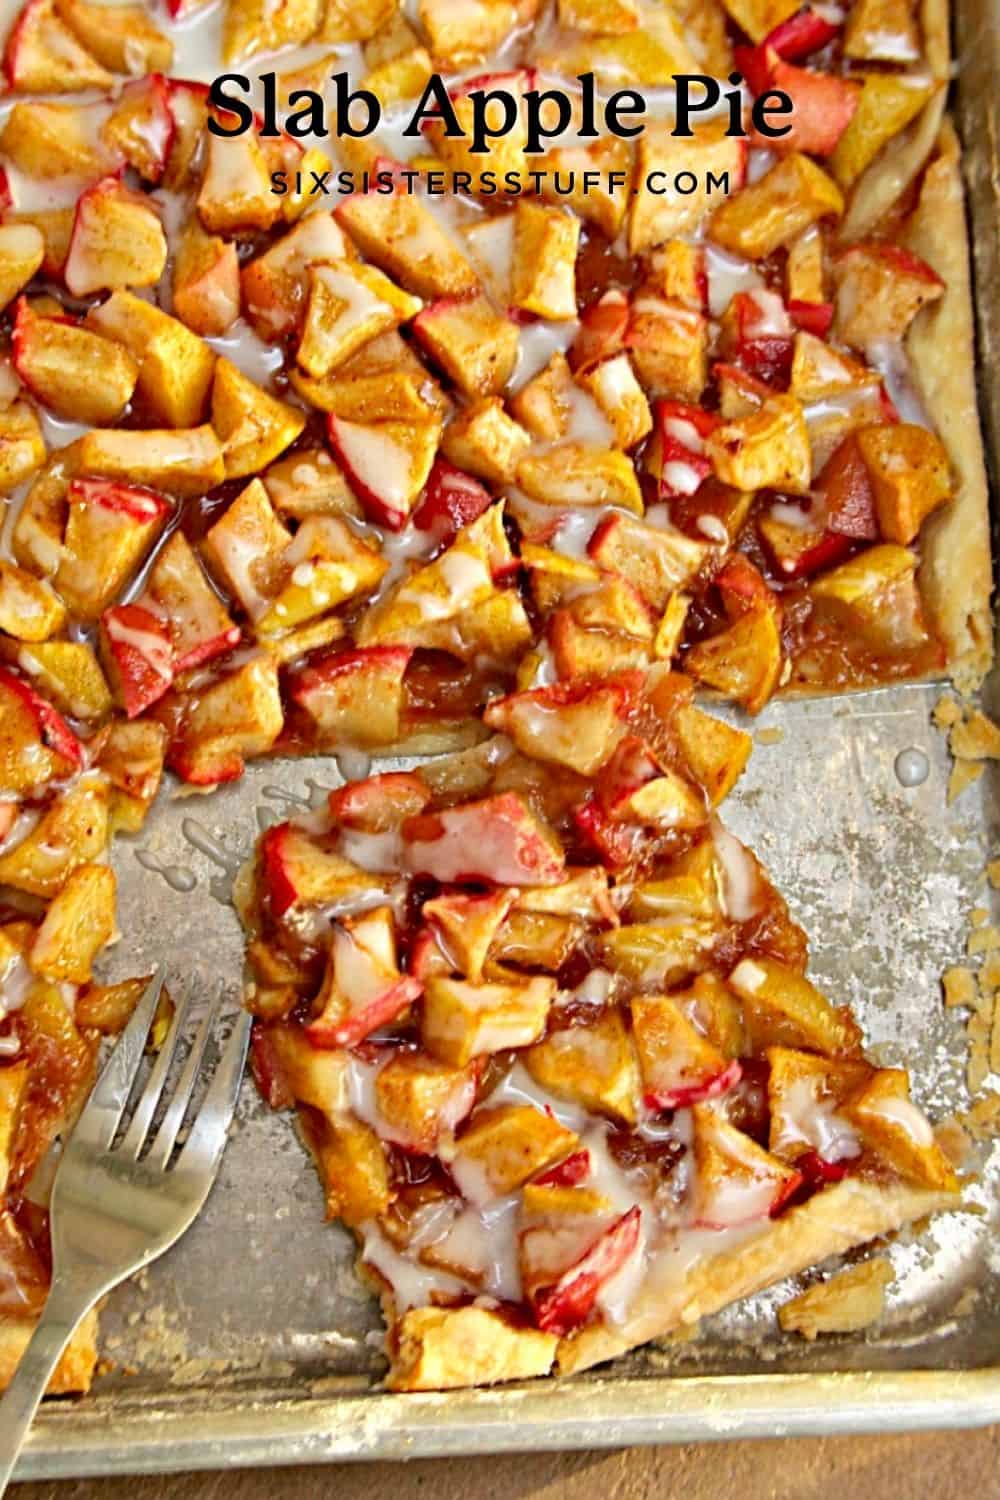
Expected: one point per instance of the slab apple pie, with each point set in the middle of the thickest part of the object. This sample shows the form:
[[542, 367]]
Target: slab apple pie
[[500, 481]]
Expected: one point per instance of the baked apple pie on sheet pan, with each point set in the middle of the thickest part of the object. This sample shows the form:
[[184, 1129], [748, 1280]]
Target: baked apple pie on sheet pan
[[513, 485]]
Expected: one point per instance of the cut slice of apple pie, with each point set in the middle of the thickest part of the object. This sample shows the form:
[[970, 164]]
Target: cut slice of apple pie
[[548, 1030]]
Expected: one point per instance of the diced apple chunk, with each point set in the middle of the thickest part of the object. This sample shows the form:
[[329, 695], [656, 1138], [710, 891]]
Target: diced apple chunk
[[73, 831], [141, 126], [122, 38], [767, 450], [110, 529], [68, 674], [896, 1130], [889, 101], [77, 925], [275, 284], [504, 1145], [420, 1099], [880, 290], [474, 345], [908, 468], [497, 839], [362, 988], [593, 1065], [386, 463], [237, 717], [138, 656], [254, 426], [738, 1181], [484, 440], [656, 562], [22, 447], [566, 724], [43, 56], [875, 596], [206, 283], [743, 661], [462, 1021], [773, 211], [117, 241], [543, 273], [235, 191], [182, 462], [22, 250], [132, 759], [298, 870], [246, 548], [354, 697], [200, 626], [175, 366], [679, 1065], [782, 1008], [75, 373], [656, 216], [400, 234], [348, 305], [29, 610]]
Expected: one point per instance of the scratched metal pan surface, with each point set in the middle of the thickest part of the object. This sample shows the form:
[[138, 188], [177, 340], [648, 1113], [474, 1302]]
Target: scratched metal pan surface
[[252, 1342]]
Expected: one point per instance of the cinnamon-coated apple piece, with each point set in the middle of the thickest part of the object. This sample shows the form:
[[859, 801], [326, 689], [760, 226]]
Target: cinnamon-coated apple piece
[[206, 285], [76, 926], [354, 697], [362, 987], [132, 759], [298, 870], [110, 529], [656, 562], [77, 374], [567, 724], [117, 241], [43, 56], [22, 250], [736, 1181], [29, 610], [137, 653], [122, 38], [461, 1021], [175, 365], [783, 1008], [398, 232], [420, 1099], [253, 426], [505, 1144], [593, 1065], [895, 1129], [199, 624], [238, 716], [36, 743], [466, 926], [72, 831], [140, 128], [386, 463], [182, 462], [496, 839], [679, 1065]]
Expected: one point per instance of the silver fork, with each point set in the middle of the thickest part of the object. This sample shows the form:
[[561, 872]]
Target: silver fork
[[112, 1213]]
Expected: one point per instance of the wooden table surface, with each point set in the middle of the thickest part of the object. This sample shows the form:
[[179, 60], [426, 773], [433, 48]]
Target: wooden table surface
[[925, 1466]]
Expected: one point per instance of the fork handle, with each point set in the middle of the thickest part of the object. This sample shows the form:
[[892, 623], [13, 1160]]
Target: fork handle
[[63, 1311]]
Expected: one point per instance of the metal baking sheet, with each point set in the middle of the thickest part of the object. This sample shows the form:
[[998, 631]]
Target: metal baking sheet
[[252, 1342]]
